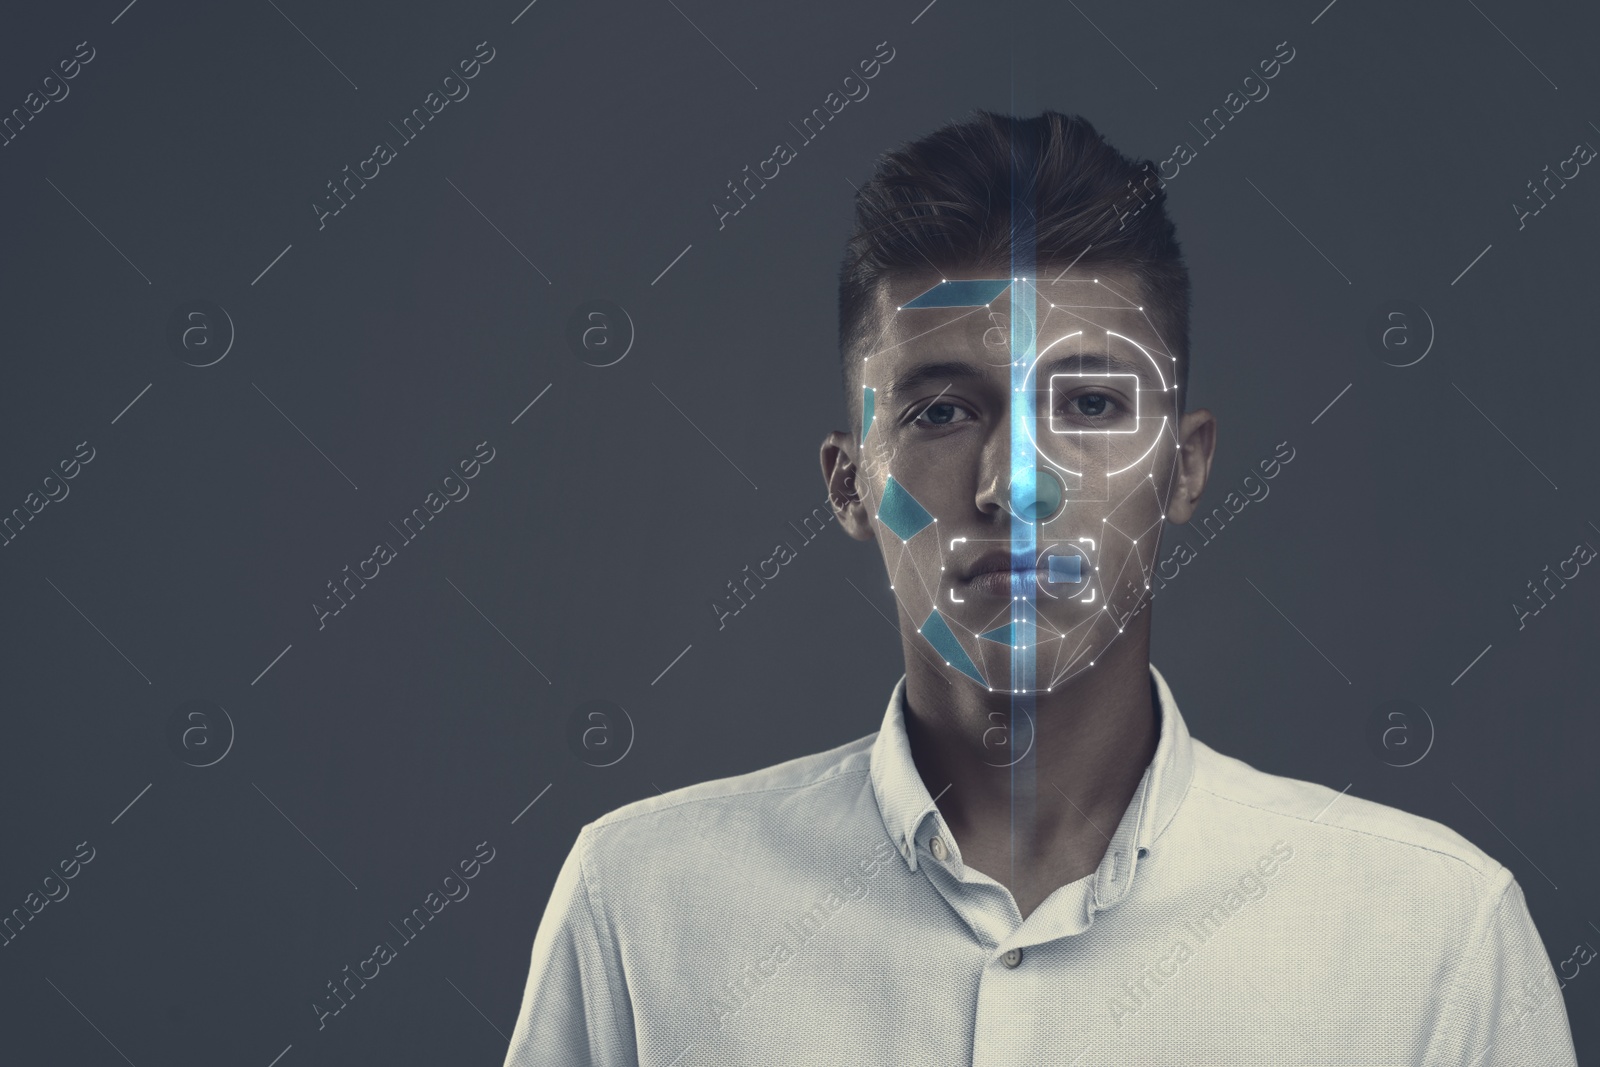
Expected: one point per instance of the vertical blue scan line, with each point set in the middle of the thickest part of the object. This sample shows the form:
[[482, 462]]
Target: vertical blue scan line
[[1024, 481]]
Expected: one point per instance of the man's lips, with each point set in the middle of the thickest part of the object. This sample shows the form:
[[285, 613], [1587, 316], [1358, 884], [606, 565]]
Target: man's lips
[[999, 573], [999, 562], [1008, 583]]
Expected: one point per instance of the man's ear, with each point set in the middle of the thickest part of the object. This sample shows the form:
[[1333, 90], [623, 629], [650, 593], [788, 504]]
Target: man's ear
[[1197, 443], [842, 476]]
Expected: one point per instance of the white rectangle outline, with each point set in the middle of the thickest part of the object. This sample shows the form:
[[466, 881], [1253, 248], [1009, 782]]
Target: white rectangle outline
[[1093, 374]]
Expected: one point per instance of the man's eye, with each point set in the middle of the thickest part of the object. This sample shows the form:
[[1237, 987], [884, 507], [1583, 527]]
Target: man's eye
[[1092, 405], [941, 414]]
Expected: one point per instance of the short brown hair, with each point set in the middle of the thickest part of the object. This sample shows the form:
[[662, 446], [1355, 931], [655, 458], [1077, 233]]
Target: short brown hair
[[944, 202]]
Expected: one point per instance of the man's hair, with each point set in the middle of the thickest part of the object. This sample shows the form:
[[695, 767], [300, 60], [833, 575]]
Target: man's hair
[[943, 203]]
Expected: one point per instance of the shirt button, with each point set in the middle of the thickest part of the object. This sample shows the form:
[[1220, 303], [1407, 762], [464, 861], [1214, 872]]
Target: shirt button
[[939, 851], [1012, 958]]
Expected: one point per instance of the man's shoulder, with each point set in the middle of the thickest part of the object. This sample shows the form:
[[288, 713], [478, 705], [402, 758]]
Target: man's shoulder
[[1360, 832], [751, 802]]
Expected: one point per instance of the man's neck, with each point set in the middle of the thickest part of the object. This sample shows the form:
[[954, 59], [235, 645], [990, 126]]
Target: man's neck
[[1092, 738]]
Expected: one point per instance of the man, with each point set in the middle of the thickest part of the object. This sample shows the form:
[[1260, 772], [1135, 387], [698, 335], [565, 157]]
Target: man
[[1032, 861]]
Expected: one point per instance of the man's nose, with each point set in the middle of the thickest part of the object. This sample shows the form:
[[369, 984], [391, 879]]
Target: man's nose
[[1036, 492]]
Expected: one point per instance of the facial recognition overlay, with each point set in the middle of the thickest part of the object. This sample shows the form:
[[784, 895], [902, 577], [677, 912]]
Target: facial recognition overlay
[[1022, 579]]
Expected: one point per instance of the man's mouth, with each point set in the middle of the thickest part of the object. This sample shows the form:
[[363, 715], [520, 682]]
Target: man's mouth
[[1002, 574], [1007, 583]]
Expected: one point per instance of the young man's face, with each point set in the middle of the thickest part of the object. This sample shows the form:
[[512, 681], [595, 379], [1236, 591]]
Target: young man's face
[[1017, 491]]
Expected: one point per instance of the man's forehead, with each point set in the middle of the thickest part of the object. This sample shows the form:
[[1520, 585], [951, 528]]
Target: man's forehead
[[1094, 287], [1084, 315]]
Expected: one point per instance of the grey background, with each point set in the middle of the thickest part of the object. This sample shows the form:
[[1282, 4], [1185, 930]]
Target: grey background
[[378, 751]]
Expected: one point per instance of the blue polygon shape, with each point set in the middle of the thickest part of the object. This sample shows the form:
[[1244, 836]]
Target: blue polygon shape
[[937, 631], [961, 294], [1000, 635], [867, 394], [900, 511], [1016, 632], [1064, 569]]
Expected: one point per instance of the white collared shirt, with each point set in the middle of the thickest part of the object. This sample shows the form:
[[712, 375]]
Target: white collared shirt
[[819, 912]]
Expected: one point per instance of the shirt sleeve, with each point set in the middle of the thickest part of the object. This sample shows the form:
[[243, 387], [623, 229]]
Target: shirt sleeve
[[574, 1012], [1505, 1003]]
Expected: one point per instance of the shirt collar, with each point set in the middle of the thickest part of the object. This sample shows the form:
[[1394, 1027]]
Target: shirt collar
[[905, 804]]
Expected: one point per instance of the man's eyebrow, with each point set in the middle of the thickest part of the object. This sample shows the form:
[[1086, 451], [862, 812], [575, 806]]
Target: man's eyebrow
[[922, 374], [1095, 363]]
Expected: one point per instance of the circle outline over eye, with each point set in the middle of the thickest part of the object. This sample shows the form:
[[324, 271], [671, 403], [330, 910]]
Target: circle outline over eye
[[1029, 387]]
